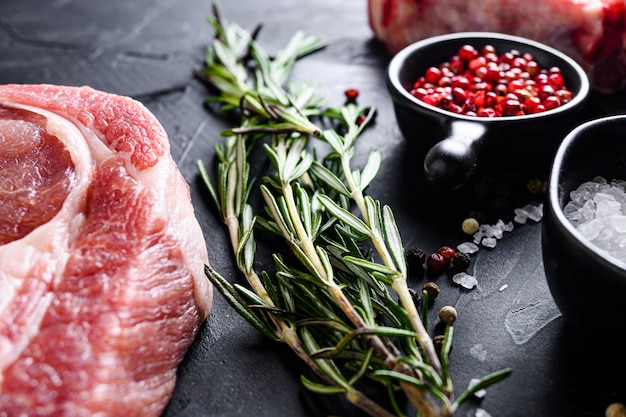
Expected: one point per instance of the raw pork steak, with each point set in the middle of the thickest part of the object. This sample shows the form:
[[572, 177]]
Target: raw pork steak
[[593, 32], [101, 258]]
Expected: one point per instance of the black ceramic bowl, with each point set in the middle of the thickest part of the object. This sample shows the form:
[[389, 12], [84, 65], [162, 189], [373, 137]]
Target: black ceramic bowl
[[451, 144], [587, 284]]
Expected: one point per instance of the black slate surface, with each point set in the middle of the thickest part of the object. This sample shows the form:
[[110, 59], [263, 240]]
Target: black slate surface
[[148, 49]]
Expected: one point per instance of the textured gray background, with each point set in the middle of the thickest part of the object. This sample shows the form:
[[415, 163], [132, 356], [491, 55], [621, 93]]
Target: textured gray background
[[148, 49]]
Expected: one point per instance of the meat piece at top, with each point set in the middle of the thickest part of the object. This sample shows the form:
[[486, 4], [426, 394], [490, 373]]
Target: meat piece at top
[[593, 32], [102, 285]]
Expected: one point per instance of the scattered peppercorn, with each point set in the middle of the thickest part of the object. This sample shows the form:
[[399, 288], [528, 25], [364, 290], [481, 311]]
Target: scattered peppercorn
[[536, 186], [461, 261], [415, 257], [447, 252], [431, 289], [363, 116], [615, 410], [470, 226], [351, 95], [448, 315], [435, 263]]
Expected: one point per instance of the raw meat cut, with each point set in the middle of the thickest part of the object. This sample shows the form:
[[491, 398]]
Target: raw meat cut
[[102, 285], [593, 32]]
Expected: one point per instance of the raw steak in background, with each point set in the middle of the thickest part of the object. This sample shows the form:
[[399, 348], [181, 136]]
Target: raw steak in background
[[593, 32], [102, 285]]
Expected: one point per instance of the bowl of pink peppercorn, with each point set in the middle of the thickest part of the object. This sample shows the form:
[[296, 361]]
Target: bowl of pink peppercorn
[[493, 97], [584, 226]]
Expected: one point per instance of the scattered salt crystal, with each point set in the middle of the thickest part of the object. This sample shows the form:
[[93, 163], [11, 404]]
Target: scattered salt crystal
[[465, 280], [504, 287], [535, 213], [489, 242], [481, 392], [467, 247], [498, 229], [486, 230], [489, 234], [520, 216], [482, 413], [528, 212]]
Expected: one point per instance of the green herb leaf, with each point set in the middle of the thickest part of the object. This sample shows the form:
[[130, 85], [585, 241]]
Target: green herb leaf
[[345, 216]]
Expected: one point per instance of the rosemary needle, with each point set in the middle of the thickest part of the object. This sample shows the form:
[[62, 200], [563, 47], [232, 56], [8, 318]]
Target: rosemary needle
[[338, 296]]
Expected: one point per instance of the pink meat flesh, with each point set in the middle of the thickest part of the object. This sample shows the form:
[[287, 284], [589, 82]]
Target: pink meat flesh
[[102, 287], [593, 32]]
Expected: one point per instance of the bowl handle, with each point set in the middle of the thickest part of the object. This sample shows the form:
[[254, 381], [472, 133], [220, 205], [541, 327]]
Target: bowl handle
[[451, 161]]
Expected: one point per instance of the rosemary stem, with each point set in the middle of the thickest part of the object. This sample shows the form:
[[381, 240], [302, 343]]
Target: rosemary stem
[[305, 243], [303, 240], [423, 402], [355, 192], [232, 224], [241, 162], [400, 287], [399, 280], [388, 358], [365, 404]]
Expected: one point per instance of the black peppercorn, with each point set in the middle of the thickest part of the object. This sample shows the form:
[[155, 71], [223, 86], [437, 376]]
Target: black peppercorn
[[461, 261], [415, 257]]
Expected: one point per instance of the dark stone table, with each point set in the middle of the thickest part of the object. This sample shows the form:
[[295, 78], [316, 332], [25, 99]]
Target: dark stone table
[[148, 49]]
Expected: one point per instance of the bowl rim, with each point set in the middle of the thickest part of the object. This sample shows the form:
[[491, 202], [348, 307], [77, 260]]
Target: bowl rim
[[397, 61], [554, 193]]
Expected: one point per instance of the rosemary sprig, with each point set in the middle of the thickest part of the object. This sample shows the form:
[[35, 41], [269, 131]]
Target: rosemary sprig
[[329, 297]]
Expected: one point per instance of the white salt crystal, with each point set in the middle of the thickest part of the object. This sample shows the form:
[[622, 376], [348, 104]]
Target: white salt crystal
[[504, 287], [523, 214], [588, 210], [606, 205], [498, 229], [591, 229], [535, 213], [573, 212], [465, 280], [488, 234], [598, 211], [486, 230], [520, 216], [482, 413], [489, 242], [616, 222], [468, 247]]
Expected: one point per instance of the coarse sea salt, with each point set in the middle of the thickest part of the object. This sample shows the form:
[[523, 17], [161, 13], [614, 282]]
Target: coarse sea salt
[[598, 211], [465, 280], [467, 247]]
